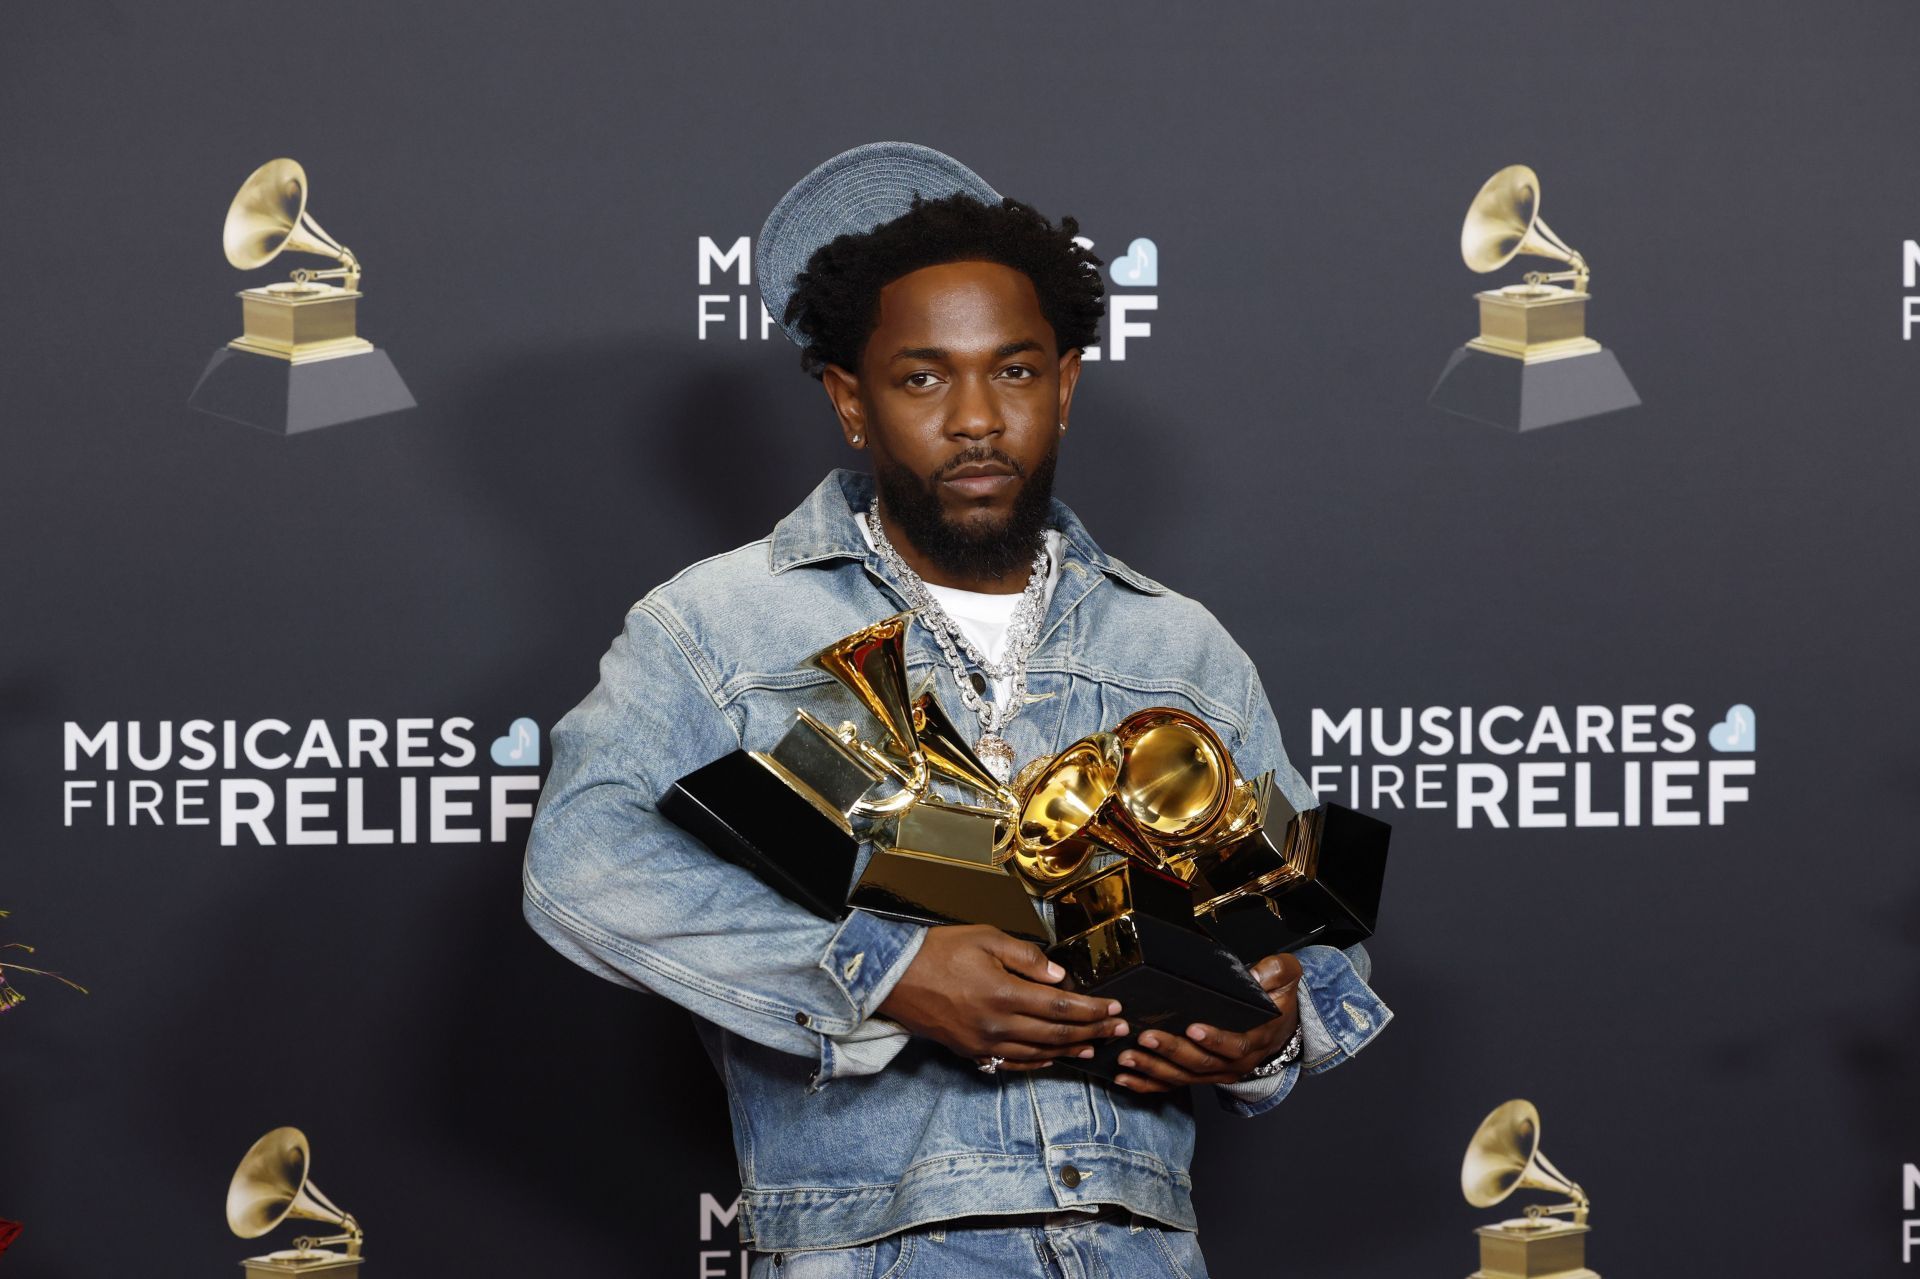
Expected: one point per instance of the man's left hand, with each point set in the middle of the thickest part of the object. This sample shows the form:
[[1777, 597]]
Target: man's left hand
[[1162, 1060]]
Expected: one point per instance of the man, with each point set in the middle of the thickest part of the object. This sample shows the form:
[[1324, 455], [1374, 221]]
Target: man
[[898, 1096]]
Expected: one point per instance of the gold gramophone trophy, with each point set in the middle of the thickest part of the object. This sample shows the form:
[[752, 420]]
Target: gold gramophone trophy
[[1533, 364], [1504, 1156], [1152, 790], [1203, 885], [942, 861], [272, 1185], [299, 363], [797, 815]]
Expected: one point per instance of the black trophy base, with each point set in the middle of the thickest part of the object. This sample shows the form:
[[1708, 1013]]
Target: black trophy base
[[1166, 976], [749, 816], [930, 890], [1339, 906], [1504, 391], [286, 399]]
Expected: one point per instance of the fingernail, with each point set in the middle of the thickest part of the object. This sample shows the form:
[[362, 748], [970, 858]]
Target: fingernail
[[1120, 1028], [1148, 1041], [1197, 1032], [1056, 972], [1113, 1008], [1128, 1059], [1084, 1052]]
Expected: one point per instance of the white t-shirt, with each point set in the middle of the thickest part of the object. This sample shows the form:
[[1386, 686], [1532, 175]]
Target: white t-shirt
[[984, 617]]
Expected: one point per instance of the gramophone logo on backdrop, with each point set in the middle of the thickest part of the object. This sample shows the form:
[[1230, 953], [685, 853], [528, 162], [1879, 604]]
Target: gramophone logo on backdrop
[[1585, 767], [1533, 364], [299, 365], [273, 1184], [741, 315], [363, 785]]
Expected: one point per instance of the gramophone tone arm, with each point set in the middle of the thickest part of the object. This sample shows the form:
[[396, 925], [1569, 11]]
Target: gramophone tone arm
[[1579, 273], [348, 270], [914, 777], [1576, 1208], [352, 1236]]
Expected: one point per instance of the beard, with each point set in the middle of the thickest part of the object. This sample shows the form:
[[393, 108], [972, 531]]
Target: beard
[[914, 511]]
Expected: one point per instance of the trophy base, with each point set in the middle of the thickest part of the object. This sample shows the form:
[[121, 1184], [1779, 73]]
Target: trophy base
[[335, 1265], [742, 810], [1523, 395], [1166, 973], [286, 398], [1255, 927], [1337, 905], [1555, 1251], [925, 889]]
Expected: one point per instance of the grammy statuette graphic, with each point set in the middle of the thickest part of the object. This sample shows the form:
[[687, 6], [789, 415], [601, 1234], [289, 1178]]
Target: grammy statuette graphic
[[272, 1184], [1504, 1156], [1533, 364], [300, 364]]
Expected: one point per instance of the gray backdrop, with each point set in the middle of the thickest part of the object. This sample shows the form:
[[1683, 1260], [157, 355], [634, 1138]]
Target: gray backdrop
[[1718, 1022]]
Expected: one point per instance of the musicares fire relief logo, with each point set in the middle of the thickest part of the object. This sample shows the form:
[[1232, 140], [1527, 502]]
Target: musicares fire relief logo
[[1910, 1197], [371, 783], [1910, 276], [1581, 768], [740, 314], [720, 1263]]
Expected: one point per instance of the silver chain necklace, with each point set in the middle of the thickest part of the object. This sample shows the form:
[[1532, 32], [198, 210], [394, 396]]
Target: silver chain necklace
[[1023, 635]]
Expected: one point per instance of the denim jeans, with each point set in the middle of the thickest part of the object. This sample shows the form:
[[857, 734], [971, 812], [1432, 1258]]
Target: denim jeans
[[1065, 1245]]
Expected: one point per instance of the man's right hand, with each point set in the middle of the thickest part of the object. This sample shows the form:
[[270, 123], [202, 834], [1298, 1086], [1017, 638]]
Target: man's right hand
[[985, 994]]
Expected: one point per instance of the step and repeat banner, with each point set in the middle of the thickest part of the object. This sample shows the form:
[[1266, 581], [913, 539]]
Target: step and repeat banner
[[1530, 393]]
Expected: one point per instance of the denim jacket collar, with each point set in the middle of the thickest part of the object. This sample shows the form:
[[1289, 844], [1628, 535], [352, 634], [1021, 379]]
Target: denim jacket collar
[[822, 528]]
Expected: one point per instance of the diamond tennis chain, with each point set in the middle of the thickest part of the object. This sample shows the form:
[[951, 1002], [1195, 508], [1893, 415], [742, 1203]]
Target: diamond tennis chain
[[1023, 635]]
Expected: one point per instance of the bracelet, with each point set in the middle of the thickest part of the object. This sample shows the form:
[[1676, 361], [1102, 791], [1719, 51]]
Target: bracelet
[[1278, 1063]]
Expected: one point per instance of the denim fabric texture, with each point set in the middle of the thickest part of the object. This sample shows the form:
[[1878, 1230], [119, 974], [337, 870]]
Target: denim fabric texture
[[1064, 1245], [847, 1129]]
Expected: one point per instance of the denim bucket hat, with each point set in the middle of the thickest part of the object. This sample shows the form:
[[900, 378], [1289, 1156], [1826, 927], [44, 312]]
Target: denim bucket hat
[[853, 192]]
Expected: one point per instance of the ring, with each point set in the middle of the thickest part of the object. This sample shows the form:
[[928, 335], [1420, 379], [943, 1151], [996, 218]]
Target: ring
[[992, 1064]]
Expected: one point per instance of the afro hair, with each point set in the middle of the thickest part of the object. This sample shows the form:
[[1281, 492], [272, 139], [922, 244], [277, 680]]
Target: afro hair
[[836, 299]]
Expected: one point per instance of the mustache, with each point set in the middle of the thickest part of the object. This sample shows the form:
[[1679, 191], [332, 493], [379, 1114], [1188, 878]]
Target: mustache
[[978, 453]]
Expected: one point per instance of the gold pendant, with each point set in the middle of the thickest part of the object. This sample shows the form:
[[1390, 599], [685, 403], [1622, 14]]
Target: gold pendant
[[996, 754]]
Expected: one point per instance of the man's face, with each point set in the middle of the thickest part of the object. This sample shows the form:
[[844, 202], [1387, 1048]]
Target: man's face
[[959, 395]]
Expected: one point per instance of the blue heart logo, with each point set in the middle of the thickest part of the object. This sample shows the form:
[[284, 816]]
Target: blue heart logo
[[520, 747], [1735, 732], [1140, 269]]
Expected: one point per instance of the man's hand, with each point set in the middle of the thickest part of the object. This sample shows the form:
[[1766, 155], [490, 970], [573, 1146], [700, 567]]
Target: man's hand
[[985, 994], [1209, 1055]]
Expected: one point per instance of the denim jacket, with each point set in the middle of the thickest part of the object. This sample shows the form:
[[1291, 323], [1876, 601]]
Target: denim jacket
[[845, 1127]]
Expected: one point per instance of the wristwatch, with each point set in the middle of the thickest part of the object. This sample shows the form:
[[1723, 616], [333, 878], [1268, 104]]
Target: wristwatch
[[1274, 1065]]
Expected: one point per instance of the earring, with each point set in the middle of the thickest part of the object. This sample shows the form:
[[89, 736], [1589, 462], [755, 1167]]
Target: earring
[[856, 437], [1063, 428]]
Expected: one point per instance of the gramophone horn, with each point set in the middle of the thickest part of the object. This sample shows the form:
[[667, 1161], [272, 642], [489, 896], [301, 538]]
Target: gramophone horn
[[948, 752], [271, 1185], [872, 664], [269, 217], [1176, 777], [1504, 1156], [1504, 222], [1067, 813]]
